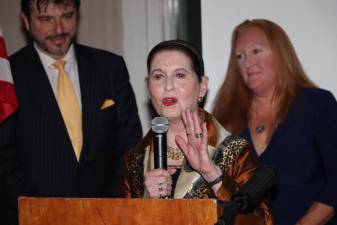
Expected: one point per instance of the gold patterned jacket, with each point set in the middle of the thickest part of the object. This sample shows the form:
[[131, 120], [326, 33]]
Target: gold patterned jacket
[[232, 154]]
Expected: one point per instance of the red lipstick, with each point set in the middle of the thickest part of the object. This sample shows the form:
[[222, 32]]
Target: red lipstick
[[169, 101]]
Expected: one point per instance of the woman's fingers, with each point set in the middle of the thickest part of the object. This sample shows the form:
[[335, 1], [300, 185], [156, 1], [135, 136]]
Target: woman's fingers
[[158, 183], [196, 123], [171, 170], [205, 134], [182, 144], [188, 123], [161, 190], [183, 116], [196, 146]]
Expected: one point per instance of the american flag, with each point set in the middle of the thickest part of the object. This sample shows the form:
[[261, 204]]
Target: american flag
[[8, 102]]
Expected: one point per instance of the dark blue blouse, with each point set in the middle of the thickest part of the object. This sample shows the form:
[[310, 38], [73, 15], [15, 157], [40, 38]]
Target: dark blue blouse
[[303, 150]]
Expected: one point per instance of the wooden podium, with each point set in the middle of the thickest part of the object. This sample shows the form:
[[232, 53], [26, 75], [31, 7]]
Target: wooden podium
[[103, 211]]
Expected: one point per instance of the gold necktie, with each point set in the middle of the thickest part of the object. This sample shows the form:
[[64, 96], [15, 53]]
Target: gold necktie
[[69, 107]]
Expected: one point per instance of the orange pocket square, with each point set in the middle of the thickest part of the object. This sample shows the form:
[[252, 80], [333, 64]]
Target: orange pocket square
[[107, 103]]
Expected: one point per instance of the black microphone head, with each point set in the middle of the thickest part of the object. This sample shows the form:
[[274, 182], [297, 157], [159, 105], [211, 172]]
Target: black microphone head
[[160, 125]]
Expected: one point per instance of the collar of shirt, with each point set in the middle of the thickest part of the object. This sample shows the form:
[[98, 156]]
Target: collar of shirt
[[70, 68], [47, 60]]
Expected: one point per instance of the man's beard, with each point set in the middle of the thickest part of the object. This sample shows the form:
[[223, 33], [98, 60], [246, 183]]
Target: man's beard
[[55, 49]]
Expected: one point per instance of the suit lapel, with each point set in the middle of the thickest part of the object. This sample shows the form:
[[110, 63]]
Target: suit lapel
[[42, 95], [88, 86], [39, 79], [42, 91]]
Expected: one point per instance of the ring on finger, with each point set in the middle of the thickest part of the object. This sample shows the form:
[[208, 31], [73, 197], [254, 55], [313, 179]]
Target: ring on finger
[[160, 187], [199, 135]]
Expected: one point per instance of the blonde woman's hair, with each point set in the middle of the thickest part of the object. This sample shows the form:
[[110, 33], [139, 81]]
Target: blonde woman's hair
[[233, 100]]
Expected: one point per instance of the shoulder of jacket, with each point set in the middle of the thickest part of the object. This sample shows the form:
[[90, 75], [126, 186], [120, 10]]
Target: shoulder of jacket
[[93, 52], [229, 150]]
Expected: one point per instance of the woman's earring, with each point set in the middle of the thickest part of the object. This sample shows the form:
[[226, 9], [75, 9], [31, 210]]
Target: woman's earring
[[200, 99]]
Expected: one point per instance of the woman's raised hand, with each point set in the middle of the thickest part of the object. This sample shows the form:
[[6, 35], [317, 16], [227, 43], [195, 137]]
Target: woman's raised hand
[[196, 147]]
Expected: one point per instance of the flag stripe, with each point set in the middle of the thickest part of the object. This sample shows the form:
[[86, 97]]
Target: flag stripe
[[5, 72], [3, 51], [8, 102]]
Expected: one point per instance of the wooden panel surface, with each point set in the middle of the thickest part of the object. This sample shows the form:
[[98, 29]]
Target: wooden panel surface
[[79, 211]]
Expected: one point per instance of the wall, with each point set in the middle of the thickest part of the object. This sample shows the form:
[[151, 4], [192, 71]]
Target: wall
[[148, 24], [96, 19], [310, 25], [11, 25]]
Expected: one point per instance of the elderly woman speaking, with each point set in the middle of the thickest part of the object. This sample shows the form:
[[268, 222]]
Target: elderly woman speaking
[[204, 160]]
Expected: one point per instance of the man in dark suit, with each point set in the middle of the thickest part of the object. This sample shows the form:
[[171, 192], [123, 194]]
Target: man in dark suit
[[40, 155]]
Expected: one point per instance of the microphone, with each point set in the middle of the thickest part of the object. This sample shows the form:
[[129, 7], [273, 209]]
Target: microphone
[[252, 192], [249, 196], [159, 127]]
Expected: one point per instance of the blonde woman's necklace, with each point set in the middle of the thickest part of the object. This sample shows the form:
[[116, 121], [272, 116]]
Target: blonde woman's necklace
[[261, 120], [259, 129]]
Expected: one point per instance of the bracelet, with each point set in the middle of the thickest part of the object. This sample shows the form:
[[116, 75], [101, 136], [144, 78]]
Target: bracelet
[[214, 182]]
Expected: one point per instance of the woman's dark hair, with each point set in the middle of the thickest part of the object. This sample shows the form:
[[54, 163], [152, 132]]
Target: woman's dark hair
[[26, 5], [181, 46]]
